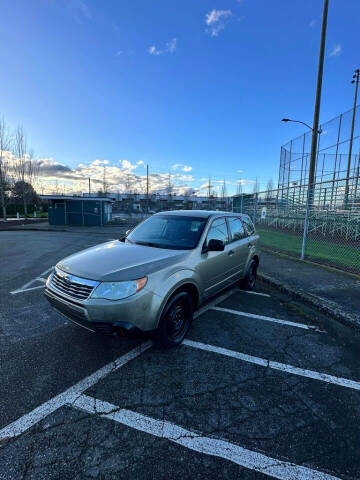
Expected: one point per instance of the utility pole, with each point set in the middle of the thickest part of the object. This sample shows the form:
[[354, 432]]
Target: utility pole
[[209, 192], [89, 188], [355, 80], [147, 188], [104, 181], [224, 196], [315, 129]]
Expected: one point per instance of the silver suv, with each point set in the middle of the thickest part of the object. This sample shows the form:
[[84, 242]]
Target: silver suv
[[154, 278]]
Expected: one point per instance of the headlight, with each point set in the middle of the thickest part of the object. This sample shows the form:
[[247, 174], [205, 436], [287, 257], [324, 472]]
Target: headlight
[[118, 290]]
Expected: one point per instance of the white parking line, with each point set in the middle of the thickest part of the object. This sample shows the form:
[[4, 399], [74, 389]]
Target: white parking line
[[27, 287], [267, 319], [255, 293], [23, 423], [324, 377], [198, 442]]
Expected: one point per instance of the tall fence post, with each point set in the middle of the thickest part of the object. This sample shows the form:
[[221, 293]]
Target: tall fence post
[[255, 204]]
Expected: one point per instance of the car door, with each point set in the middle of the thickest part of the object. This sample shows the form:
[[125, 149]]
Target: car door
[[239, 246], [215, 266], [253, 238]]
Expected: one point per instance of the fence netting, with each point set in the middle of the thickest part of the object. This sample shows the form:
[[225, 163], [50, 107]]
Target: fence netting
[[334, 221]]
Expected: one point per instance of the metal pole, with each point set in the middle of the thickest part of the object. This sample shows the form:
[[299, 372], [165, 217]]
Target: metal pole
[[315, 126], [356, 81], [336, 156], [89, 188]]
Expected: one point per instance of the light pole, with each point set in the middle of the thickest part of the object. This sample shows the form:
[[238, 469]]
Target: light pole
[[299, 121], [315, 129], [355, 80]]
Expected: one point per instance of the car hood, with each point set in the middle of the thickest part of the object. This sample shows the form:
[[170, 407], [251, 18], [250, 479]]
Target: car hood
[[114, 261]]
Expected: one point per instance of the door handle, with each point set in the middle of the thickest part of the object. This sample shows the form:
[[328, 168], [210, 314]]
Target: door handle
[[231, 253]]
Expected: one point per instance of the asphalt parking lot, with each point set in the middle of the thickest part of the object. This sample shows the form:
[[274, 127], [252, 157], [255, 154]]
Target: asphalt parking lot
[[261, 388]]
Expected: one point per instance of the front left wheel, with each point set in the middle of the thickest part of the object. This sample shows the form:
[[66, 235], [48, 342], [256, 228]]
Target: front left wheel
[[175, 320]]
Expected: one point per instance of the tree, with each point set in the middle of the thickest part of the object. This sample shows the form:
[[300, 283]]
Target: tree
[[23, 188], [239, 187], [269, 189], [224, 199], [5, 178], [25, 168]]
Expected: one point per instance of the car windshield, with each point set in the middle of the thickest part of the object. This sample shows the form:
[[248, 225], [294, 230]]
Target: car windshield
[[169, 231]]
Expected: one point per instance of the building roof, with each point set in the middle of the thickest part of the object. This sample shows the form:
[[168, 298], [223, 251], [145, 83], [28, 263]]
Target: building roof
[[71, 197]]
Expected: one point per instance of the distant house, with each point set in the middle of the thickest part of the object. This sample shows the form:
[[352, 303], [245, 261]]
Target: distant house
[[72, 210]]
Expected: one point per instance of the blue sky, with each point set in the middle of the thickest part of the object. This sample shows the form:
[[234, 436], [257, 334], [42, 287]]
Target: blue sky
[[200, 83]]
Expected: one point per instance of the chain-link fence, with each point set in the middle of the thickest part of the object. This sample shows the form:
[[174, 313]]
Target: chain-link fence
[[334, 221]]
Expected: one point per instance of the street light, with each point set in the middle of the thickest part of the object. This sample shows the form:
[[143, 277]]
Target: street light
[[355, 80], [299, 121], [315, 128]]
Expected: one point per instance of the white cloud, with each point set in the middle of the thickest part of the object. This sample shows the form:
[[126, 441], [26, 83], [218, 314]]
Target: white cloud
[[80, 6], [55, 177], [100, 162], [154, 51], [312, 23], [336, 51], [243, 181], [118, 53], [182, 167], [170, 47], [215, 20], [240, 171]]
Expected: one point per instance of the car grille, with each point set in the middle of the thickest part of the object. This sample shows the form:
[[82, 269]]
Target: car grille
[[76, 315], [72, 286]]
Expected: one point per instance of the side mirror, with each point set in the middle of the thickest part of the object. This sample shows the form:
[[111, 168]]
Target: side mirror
[[214, 245]]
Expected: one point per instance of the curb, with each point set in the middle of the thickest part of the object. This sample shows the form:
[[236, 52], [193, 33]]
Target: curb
[[324, 266], [331, 309], [31, 229]]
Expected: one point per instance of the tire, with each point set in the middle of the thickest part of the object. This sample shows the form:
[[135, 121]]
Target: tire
[[248, 282], [175, 320]]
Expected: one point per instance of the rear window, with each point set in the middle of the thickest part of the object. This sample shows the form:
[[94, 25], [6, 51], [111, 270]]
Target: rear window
[[237, 231], [248, 225]]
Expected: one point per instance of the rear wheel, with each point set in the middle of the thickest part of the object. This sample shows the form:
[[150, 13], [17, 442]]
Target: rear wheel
[[248, 282], [175, 320]]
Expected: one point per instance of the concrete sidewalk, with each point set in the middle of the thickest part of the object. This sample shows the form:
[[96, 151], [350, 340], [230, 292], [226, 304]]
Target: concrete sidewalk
[[331, 291]]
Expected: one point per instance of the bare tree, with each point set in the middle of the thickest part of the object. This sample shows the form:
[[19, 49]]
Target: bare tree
[[269, 188], [239, 188], [256, 186], [5, 178], [224, 196], [25, 168]]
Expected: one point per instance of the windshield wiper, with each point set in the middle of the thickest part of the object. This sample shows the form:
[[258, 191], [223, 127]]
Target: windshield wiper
[[148, 244]]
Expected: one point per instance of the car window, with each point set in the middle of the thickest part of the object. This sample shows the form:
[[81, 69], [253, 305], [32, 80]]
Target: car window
[[248, 225], [218, 231], [237, 231]]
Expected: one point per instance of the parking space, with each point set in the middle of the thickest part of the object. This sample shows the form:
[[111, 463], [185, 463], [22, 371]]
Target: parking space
[[259, 389]]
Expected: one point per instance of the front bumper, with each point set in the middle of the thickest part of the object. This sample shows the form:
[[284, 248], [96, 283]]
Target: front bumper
[[125, 317]]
